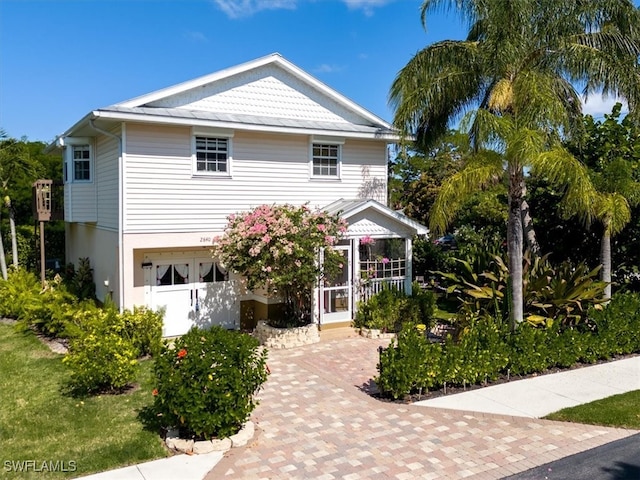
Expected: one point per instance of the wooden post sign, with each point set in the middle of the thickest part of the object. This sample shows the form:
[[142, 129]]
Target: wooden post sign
[[42, 205], [43, 199]]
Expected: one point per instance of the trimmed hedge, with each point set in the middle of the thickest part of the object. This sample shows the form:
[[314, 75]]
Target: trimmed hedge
[[487, 349]]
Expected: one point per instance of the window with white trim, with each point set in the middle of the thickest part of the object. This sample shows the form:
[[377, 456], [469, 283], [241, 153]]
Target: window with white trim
[[211, 272], [81, 163], [325, 159], [212, 155]]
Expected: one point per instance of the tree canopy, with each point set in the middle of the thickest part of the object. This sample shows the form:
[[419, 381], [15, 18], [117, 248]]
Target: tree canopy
[[512, 82]]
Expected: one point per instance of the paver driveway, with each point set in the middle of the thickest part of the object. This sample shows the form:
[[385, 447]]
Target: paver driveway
[[316, 420]]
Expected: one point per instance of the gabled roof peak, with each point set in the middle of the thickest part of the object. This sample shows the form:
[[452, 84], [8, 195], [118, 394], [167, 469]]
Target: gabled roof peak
[[272, 59]]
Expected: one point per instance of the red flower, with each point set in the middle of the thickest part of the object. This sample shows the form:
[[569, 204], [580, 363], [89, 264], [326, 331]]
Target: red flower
[[154, 392], [182, 353]]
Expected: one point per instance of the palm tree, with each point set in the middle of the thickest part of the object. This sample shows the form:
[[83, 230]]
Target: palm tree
[[512, 82], [15, 164], [611, 150]]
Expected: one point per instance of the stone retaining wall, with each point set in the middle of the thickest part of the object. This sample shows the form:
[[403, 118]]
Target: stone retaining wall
[[375, 333], [190, 447], [278, 338]]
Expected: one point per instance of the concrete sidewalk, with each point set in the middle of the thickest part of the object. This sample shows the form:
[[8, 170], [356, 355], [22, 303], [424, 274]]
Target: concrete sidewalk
[[317, 419], [183, 467], [539, 396]]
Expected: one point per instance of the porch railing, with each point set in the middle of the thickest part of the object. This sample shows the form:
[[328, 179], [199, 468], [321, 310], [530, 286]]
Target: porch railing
[[369, 288]]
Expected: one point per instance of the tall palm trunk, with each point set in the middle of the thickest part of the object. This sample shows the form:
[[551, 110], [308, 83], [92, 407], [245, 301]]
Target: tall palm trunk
[[527, 225], [515, 242], [3, 261], [12, 226], [605, 260]]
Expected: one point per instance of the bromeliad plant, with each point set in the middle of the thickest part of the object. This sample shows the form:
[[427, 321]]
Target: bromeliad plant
[[561, 293], [276, 247]]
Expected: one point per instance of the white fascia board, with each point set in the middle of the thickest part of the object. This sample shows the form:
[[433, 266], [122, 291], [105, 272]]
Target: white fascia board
[[275, 58], [197, 82], [387, 212], [58, 142], [330, 92], [190, 122]]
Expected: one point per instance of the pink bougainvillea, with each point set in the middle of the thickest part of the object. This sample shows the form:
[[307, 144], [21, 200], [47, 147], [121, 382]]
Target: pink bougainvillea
[[367, 240], [277, 247]]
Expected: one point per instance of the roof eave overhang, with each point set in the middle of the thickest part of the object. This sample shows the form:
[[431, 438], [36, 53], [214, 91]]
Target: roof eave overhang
[[416, 227], [58, 142], [191, 122]]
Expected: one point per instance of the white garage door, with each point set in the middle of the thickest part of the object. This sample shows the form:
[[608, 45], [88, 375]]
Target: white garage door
[[193, 291]]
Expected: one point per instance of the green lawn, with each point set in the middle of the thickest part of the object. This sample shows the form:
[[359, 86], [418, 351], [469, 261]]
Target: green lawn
[[618, 411], [41, 423]]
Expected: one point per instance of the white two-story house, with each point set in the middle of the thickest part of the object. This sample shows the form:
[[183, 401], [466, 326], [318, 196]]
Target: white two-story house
[[149, 182]]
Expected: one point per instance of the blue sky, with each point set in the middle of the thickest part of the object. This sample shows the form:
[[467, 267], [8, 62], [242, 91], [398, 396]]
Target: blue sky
[[59, 59]]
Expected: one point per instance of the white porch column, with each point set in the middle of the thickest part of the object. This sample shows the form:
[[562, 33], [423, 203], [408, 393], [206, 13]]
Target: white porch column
[[355, 280], [315, 295], [408, 251]]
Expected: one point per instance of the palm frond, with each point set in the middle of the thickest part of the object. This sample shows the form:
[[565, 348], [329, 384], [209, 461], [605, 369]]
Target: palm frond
[[435, 86], [545, 101], [524, 145], [467, 9], [563, 171], [484, 169], [487, 130], [613, 210]]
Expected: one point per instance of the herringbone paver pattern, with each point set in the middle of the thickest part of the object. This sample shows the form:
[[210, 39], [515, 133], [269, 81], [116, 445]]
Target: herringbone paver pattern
[[316, 420]]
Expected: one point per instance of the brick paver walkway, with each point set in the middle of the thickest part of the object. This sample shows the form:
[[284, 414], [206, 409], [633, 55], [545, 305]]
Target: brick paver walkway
[[316, 420]]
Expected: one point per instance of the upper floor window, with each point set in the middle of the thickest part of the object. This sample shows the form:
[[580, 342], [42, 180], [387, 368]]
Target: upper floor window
[[81, 167], [212, 155], [326, 160]]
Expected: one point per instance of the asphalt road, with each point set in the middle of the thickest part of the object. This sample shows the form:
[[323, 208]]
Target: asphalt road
[[619, 460]]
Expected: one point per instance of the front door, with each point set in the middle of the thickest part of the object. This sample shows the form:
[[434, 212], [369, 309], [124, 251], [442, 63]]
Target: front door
[[193, 292], [336, 293]]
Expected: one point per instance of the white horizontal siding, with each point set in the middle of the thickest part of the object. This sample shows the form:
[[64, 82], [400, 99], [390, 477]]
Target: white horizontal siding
[[106, 178], [82, 198], [163, 196]]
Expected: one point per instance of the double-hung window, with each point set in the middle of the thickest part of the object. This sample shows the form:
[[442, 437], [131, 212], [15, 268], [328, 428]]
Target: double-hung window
[[212, 155], [81, 163], [325, 158], [211, 151]]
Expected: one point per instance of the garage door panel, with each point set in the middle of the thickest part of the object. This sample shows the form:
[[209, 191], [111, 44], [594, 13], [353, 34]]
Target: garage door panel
[[194, 291], [218, 304]]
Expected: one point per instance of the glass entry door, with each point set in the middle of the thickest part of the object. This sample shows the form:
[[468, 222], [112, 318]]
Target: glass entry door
[[336, 293]]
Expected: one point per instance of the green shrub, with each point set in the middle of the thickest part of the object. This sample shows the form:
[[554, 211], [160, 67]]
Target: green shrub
[[100, 361], [49, 310], [144, 328], [16, 291], [528, 350], [561, 293], [207, 382], [486, 348], [410, 364], [618, 324], [479, 354], [81, 279], [141, 327], [390, 308]]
